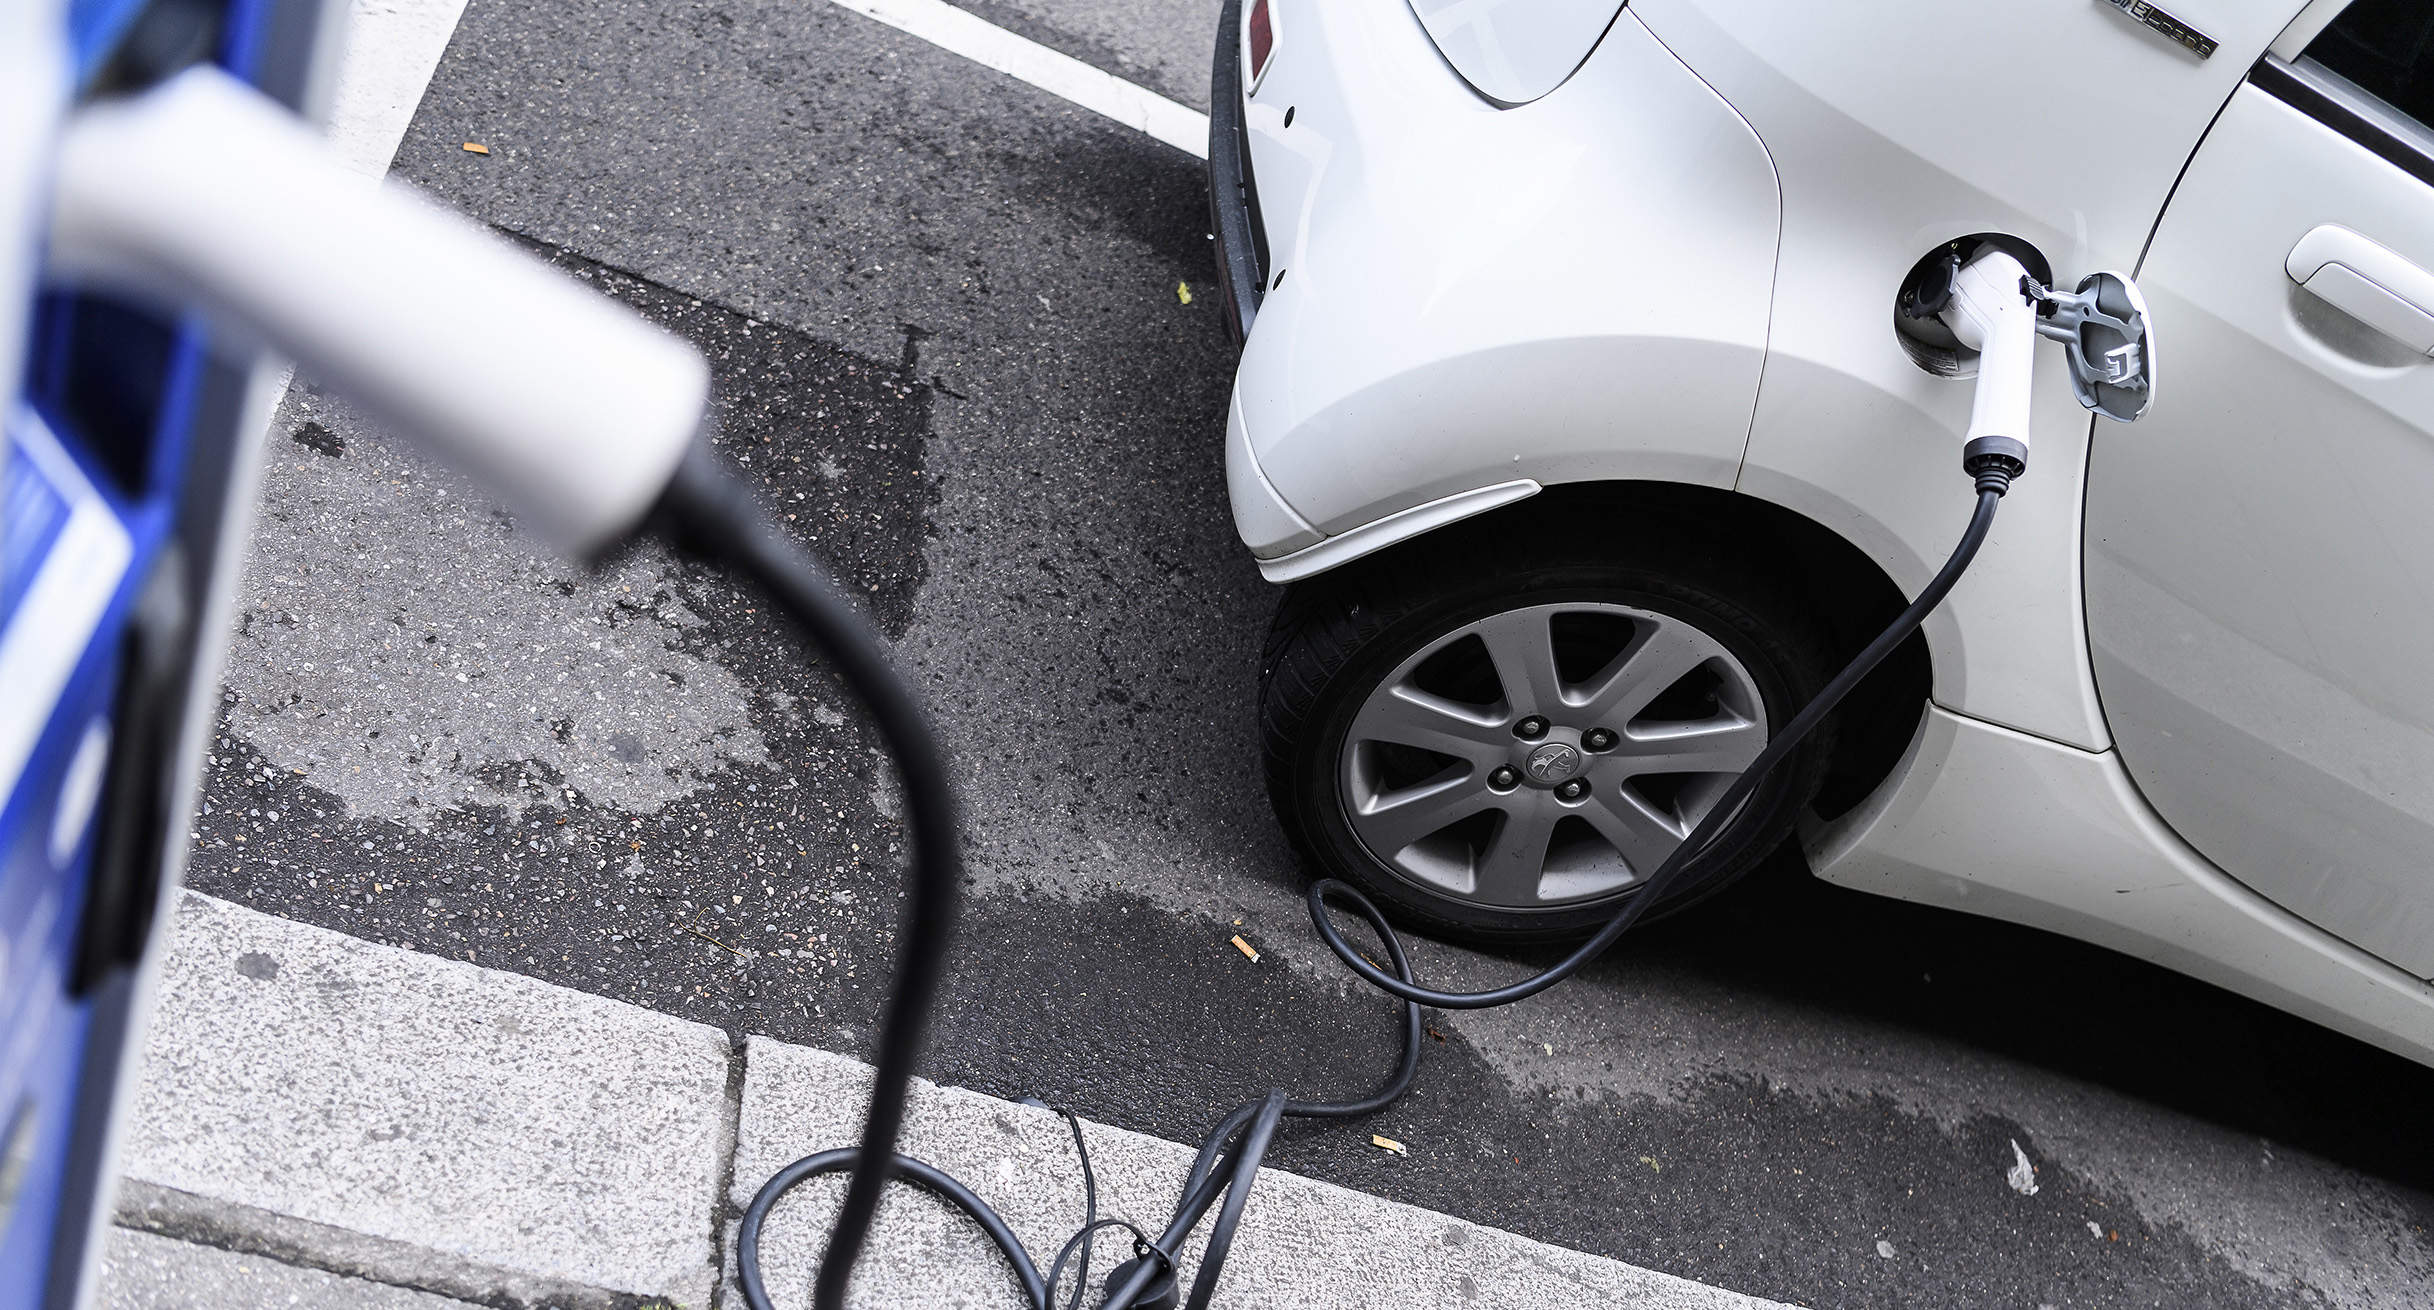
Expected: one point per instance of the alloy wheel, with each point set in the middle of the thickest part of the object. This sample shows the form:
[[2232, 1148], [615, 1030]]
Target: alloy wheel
[[1547, 755]]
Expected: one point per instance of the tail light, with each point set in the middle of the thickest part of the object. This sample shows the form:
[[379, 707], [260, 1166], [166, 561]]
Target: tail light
[[1260, 35]]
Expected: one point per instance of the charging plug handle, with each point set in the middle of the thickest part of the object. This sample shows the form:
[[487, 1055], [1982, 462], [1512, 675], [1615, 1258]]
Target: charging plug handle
[[1991, 311], [201, 194]]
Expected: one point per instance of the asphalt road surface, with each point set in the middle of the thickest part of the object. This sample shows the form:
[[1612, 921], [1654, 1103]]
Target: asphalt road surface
[[948, 315]]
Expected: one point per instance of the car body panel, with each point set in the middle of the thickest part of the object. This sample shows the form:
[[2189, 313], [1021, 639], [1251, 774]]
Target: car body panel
[[1323, 555], [1402, 360], [1990, 821], [2260, 548], [2070, 116], [1514, 51], [1881, 159], [1267, 524]]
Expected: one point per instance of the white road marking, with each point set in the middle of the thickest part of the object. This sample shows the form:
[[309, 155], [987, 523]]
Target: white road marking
[[392, 48], [960, 32]]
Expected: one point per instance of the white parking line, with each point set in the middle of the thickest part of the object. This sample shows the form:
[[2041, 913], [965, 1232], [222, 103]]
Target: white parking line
[[960, 32], [392, 48]]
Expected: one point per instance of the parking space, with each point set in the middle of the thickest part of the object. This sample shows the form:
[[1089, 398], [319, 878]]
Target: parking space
[[966, 335]]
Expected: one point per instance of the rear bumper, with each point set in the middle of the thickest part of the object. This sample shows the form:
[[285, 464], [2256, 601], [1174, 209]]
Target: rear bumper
[[1242, 256]]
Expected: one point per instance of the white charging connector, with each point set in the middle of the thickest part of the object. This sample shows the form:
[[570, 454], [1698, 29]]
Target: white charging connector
[[202, 194], [1991, 313]]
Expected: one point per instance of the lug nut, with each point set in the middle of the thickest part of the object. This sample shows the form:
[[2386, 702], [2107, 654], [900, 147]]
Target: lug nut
[[1598, 739], [1573, 790], [1504, 778], [1531, 728]]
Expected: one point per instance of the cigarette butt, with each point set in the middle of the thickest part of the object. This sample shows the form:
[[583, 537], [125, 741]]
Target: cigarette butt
[[1246, 948], [476, 148], [1388, 1144]]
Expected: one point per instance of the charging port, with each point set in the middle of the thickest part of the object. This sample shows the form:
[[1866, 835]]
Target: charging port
[[1918, 304]]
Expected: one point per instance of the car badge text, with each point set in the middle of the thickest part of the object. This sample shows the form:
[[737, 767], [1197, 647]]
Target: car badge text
[[2163, 24]]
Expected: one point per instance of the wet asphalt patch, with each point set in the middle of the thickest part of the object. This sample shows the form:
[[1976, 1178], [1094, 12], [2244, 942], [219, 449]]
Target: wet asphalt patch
[[1731, 1180], [706, 904]]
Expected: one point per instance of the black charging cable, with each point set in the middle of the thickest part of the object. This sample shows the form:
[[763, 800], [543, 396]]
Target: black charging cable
[[708, 513]]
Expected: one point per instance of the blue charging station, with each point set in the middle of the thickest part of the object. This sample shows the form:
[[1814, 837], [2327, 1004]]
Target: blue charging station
[[130, 440]]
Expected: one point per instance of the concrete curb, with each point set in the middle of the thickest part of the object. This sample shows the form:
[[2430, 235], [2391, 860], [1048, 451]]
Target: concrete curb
[[411, 1122], [142, 1271], [496, 1120], [226, 1226]]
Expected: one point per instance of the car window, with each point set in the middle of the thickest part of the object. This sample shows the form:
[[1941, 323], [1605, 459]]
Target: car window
[[2386, 47]]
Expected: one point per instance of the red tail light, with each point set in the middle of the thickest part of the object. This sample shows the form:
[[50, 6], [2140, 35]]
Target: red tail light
[[1262, 33]]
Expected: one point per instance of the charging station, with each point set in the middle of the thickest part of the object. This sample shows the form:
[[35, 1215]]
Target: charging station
[[127, 474]]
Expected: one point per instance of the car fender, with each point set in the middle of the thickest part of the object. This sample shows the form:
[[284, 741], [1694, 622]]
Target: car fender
[[1895, 126], [1589, 301]]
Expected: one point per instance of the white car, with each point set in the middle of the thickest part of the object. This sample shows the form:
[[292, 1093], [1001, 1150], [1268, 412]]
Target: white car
[[1578, 407]]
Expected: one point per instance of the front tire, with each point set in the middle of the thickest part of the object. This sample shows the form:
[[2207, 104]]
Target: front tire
[[1499, 741]]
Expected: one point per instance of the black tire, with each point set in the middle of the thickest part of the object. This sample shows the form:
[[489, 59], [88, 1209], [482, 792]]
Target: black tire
[[1336, 638]]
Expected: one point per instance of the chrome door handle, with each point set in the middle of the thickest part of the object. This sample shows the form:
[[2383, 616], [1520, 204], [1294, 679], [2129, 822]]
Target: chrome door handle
[[2367, 282]]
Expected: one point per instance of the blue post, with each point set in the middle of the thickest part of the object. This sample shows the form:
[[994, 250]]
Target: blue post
[[128, 457]]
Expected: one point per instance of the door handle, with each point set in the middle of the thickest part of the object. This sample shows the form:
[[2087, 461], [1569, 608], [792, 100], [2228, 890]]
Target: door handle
[[2367, 282]]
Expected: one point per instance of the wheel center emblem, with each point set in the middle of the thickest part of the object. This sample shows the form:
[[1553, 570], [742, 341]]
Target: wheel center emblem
[[1553, 762]]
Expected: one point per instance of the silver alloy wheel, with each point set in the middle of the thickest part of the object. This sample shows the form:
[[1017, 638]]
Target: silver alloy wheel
[[1480, 771]]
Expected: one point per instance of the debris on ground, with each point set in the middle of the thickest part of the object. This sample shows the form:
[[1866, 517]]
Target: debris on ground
[[1246, 948], [1388, 1144], [2022, 1175]]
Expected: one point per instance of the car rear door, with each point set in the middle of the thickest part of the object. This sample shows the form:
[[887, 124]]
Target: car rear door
[[2260, 550]]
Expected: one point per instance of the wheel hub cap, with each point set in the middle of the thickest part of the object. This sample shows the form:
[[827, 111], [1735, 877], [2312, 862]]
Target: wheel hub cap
[[1552, 763]]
